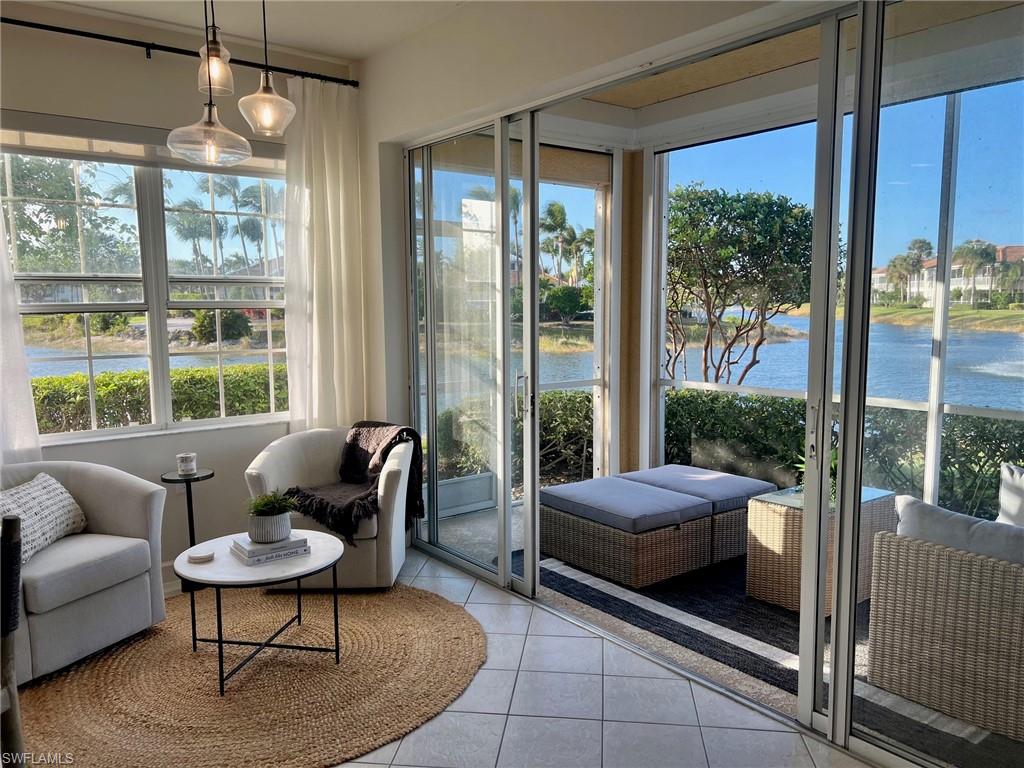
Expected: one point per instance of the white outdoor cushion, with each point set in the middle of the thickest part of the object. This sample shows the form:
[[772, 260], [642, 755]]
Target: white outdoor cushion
[[927, 522], [1011, 495], [47, 511], [81, 565]]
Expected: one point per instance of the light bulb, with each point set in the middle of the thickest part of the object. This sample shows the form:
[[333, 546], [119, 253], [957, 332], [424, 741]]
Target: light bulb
[[213, 68], [266, 111], [208, 142]]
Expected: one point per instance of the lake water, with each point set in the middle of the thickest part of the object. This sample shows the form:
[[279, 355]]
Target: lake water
[[983, 368]]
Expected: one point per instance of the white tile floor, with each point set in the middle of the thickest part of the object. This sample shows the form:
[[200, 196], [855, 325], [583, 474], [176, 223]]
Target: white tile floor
[[554, 695]]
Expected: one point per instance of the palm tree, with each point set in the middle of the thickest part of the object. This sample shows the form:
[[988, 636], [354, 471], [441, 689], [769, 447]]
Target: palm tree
[[1008, 275], [275, 198], [898, 272], [918, 251], [554, 222], [192, 226], [972, 256], [582, 246], [242, 198], [515, 207]]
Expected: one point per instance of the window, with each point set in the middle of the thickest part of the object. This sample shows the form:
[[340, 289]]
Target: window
[[225, 319], [142, 314]]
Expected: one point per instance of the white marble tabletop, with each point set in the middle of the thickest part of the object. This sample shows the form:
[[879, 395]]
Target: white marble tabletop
[[226, 570]]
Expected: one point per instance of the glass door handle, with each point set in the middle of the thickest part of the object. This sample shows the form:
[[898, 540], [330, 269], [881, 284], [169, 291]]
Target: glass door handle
[[812, 431], [517, 408]]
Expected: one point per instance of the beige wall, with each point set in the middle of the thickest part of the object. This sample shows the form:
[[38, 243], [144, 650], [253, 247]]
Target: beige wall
[[219, 502], [630, 290], [492, 58], [63, 75]]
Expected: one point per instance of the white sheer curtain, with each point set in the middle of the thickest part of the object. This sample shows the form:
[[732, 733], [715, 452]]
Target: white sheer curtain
[[19, 435], [332, 316]]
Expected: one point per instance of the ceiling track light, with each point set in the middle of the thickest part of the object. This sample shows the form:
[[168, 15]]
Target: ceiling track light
[[267, 112], [208, 141]]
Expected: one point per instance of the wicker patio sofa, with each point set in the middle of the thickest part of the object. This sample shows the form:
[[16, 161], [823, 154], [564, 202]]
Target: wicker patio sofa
[[639, 528], [947, 616], [775, 543]]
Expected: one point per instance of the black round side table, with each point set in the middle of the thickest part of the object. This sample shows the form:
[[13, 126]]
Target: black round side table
[[174, 478]]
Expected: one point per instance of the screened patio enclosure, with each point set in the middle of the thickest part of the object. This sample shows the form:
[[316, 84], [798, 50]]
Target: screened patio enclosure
[[805, 266]]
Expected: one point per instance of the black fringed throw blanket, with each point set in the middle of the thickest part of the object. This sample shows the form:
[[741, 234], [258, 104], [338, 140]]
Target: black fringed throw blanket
[[343, 505]]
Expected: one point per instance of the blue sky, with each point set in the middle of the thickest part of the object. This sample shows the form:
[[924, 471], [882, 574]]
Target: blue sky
[[990, 172]]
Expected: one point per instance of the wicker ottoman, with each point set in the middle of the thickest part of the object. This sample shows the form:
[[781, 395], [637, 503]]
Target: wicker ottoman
[[627, 532], [728, 494], [774, 544]]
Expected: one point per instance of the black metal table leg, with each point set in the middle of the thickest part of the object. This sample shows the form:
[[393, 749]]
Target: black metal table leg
[[334, 592], [191, 518], [258, 646], [192, 601], [220, 644]]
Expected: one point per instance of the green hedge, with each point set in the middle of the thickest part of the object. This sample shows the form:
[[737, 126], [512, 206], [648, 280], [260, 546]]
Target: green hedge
[[464, 438], [756, 435], [122, 397], [765, 436]]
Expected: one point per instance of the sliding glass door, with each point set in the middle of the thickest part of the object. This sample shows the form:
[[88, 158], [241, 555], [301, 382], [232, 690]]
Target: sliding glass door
[[934, 373], [474, 304]]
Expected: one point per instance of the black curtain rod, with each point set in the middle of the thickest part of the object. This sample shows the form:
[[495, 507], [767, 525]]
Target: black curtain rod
[[150, 47]]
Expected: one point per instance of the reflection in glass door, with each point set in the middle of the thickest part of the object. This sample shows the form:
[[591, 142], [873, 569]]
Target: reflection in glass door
[[475, 312], [462, 342]]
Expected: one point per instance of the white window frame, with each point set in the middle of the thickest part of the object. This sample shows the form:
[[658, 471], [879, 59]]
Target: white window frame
[[216, 281], [156, 304]]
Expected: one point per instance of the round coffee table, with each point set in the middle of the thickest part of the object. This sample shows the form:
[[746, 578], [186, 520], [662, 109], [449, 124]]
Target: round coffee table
[[225, 571]]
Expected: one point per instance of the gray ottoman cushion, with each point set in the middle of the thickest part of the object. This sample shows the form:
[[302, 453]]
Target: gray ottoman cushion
[[725, 492], [618, 503]]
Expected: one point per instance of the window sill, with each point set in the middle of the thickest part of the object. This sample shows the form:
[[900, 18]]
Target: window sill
[[82, 438]]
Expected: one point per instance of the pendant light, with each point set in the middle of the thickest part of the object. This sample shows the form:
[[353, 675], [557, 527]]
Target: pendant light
[[208, 141], [267, 112], [215, 76]]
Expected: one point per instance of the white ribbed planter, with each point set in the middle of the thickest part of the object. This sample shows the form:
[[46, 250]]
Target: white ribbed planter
[[270, 528]]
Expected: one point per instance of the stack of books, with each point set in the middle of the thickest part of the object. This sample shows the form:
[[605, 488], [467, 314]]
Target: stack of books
[[251, 553]]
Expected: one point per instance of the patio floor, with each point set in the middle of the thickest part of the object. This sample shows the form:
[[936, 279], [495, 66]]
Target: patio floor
[[704, 622]]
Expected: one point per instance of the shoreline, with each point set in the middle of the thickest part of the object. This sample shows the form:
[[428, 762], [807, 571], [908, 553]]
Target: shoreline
[[960, 317]]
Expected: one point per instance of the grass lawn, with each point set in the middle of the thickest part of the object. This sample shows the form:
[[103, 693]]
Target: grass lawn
[[961, 317]]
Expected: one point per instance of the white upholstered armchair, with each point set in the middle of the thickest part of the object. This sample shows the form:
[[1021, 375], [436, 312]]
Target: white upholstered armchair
[[312, 458], [89, 590]]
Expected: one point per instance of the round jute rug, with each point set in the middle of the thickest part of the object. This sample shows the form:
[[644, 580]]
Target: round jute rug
[[406, 654]]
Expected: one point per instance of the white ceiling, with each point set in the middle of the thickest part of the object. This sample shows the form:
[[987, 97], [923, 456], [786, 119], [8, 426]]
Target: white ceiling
[[342, 30]]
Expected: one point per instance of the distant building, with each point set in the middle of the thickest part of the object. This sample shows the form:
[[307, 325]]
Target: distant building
[[922, 285]]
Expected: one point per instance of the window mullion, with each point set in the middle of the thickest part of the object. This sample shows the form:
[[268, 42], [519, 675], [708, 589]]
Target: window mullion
[[78, 218], [12, 225], [149, 194], [90, 372]]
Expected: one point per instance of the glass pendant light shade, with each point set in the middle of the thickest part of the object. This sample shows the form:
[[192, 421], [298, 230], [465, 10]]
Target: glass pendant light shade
[[208, 142], [214, 73], [267, 112]]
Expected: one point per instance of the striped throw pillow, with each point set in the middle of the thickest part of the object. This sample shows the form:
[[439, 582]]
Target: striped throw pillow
[[47, 511]]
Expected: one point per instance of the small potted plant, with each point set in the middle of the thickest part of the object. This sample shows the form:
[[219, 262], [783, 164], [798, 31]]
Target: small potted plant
[[270, 517]]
